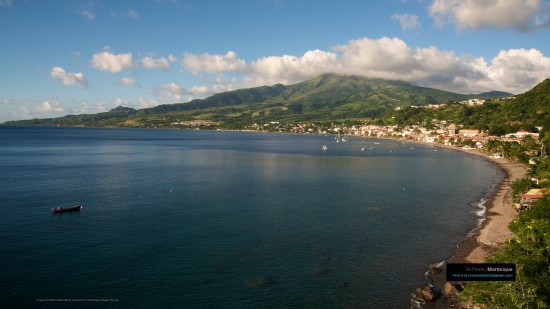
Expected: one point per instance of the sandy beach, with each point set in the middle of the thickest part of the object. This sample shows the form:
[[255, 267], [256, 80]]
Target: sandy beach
[[494, 231]]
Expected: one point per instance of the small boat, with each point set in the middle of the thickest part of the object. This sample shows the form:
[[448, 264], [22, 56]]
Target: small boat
[[363, 149], [66, 209], [324, 147]]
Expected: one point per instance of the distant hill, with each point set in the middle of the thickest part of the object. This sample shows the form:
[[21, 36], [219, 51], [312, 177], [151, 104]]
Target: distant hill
[[328, 97]]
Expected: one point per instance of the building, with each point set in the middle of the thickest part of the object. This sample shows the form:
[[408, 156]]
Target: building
[[468, 132]]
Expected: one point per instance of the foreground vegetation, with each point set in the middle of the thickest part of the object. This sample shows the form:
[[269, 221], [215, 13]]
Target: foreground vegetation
[[530, 251]]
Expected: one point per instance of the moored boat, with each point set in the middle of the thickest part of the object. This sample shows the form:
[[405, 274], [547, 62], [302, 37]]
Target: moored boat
[[66, 209]]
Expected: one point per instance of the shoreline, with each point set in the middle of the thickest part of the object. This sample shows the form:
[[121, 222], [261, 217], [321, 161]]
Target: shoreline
[[493, 232]]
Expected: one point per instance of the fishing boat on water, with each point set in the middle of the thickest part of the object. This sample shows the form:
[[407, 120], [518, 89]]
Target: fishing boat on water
[[57, 210]]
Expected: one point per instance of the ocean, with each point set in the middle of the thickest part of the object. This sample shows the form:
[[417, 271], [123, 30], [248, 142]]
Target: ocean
[[215, 219]]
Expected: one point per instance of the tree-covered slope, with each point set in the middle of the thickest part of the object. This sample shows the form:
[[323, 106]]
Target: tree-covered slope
[[328, 97]]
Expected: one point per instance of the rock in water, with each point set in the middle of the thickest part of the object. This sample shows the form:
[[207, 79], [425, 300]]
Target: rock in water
[[428, 292]]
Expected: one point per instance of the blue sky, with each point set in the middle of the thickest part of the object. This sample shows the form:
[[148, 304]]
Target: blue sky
[[87, 56]]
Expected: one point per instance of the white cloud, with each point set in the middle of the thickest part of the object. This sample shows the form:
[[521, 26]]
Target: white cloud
[[132, 14], [50, 107], [389, 58], [120, 102], [127, 81], [518, 69], [88, 15], [522, 15], [407, 21], [106, 61], [213, 63], [68, 79], [199, 91], [173, 92], [32, 108], [290, 69], [157, 63], [145, 103]]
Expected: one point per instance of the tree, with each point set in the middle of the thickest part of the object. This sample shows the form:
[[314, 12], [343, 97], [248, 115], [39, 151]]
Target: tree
[[529, 143], [530, 251]]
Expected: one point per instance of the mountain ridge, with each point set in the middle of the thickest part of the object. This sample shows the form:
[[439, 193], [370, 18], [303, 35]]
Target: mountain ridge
[[325, 97]]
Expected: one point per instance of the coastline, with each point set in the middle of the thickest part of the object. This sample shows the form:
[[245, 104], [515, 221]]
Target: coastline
[[492, 233]]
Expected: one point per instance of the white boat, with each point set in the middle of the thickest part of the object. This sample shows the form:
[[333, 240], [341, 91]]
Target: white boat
[[325, 148]]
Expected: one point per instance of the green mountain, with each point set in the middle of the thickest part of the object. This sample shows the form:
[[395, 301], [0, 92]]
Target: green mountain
[[328, 97]]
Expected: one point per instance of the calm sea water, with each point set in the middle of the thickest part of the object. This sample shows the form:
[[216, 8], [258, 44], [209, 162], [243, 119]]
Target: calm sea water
[[199, 219]]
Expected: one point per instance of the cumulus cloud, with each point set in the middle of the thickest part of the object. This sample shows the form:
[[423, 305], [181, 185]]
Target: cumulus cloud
[[68, 79], [50, 107], [520, 67], [172, 92], [290, 69], [32, 108], [389, 58], [127, 81], [145, 103], [120, 102], [157, 63], [522, 15], [213, 63], [113, 63], [407, 21]]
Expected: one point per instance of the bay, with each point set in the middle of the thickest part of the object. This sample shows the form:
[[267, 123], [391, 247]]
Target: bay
[[211, 219]]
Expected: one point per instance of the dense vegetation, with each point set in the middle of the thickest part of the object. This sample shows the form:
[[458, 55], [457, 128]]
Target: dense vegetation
[[497, 117], [530, 251]]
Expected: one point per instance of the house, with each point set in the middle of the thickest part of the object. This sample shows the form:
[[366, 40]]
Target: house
[[451, 129], [531, 195], [522, 134], [468, 132], [430, 139]]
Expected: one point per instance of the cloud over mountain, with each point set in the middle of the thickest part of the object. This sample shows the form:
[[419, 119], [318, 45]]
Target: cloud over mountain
[[514, 70]]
